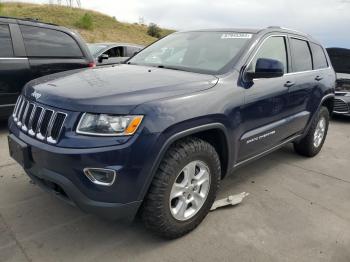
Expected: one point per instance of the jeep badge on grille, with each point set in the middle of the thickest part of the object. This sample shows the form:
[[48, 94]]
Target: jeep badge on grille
[[36, 95]]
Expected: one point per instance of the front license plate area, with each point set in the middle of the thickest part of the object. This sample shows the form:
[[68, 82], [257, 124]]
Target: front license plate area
[[19, 151]]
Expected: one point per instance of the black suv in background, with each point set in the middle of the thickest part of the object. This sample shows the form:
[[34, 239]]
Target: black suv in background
[[340, 58], [30, 49]]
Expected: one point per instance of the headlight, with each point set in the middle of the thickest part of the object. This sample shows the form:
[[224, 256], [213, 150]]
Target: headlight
[[108, 125]]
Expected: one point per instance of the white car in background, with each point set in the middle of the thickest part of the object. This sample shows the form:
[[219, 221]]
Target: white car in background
[[112, 53]]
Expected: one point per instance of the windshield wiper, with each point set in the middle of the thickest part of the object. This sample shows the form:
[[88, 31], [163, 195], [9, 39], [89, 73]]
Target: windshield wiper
[[168, 67]]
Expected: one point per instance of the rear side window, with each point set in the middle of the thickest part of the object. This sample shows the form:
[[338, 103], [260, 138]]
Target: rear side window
[[320, 60], [301, 56], [272, 48], [42, 42], [6, 49]]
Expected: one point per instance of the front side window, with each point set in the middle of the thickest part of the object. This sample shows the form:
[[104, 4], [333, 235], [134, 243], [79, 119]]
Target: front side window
[[43, 42], [320, 60], [273, 48], [301, 56], [202, 52], [6, 49]]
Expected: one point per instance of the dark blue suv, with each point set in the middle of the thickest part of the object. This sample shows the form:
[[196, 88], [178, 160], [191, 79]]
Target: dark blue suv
[[155, 135]]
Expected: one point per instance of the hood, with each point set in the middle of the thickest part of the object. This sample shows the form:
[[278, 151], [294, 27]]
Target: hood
[[116, 89]]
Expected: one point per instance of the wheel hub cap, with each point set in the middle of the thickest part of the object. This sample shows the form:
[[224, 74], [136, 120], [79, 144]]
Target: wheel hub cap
[[190, 190], [319, 132]]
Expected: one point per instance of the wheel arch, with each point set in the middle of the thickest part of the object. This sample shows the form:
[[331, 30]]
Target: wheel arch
[[214, 133], [328, 101]]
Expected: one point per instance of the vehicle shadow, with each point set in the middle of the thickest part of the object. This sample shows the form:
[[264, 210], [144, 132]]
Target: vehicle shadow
[[341, 118]]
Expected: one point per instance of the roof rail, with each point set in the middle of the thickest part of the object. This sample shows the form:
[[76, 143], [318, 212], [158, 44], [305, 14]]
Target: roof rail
[[284, 28], [29, 19], [274, 26]]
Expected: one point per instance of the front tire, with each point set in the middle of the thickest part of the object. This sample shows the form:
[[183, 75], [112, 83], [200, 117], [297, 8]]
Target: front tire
[[183, 189], [312, 143]]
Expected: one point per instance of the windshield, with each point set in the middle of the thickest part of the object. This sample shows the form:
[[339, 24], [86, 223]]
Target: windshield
[[95, 49], [202, 52]]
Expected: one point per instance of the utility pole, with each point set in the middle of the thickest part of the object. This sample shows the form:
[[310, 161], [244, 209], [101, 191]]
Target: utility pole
[[70, 3]]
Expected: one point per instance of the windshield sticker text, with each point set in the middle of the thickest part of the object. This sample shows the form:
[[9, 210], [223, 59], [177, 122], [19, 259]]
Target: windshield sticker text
[[236, 35]]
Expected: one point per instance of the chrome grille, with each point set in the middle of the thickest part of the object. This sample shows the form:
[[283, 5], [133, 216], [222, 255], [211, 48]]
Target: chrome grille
[[43, 123], [340, 106]]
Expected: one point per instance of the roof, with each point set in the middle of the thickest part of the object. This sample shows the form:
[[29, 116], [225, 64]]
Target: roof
[[29, 19], [269, 29], [252, 30], [115, 44]]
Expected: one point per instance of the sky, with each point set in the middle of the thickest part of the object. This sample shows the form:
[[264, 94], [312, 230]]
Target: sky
[[326, 20]]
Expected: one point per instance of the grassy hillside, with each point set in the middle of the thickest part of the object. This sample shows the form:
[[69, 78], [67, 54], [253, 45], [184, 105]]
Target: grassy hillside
[[104, 28]]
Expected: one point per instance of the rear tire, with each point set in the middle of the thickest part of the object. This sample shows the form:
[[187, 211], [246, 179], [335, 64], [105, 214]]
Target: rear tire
[[312, 143], [177, 201]]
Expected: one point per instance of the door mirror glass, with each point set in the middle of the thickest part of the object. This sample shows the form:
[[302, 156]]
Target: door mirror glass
[[266, 68], [102, 57]]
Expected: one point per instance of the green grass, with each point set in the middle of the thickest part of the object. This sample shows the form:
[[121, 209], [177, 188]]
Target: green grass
[[101, 28]]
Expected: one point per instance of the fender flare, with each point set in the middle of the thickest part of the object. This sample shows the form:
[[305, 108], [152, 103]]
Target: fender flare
[[174, 138], [324, 98]]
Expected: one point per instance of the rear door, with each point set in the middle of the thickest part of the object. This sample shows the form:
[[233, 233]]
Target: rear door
[[323, 74], [14, 67], [302, 79], [51, 51]]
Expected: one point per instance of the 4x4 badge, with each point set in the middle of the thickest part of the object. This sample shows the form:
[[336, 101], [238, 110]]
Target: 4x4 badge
[[36, 95]]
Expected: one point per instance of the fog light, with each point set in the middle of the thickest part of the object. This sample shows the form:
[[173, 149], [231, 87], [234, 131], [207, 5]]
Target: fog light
[[99, 176]]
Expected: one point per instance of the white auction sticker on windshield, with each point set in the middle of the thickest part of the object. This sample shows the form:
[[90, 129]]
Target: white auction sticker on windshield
[[236, 35]]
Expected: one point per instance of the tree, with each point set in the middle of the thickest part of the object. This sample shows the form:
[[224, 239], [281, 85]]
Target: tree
[[85, 22], [154, 30]]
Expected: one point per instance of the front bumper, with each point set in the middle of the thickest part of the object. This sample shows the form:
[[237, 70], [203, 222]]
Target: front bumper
[[60, 170], [64, 189], [342, 104]]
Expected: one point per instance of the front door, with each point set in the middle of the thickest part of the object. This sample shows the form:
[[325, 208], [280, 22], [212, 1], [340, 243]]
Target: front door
[[266, 103]]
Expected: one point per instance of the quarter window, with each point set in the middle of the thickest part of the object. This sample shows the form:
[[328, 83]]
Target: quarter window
[[301, 56], [42, 42], [320, 60], [273, 48], [6, 49]]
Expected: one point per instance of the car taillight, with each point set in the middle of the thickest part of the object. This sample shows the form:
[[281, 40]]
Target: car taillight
[[92, 65]]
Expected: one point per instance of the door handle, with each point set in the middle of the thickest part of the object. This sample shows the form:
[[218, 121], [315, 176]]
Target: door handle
[[289, 84], [318, 78]]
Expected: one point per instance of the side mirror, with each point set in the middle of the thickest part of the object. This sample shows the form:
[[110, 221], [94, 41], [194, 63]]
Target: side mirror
[[266, 68], [102, 57]]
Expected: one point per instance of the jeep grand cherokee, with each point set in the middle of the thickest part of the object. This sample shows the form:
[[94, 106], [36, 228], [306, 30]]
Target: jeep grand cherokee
[[156, 135]]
